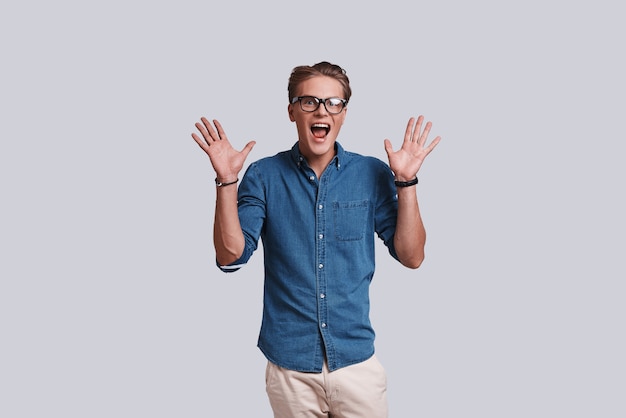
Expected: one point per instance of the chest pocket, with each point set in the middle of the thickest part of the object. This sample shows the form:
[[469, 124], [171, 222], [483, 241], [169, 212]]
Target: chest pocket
[[350, 219]]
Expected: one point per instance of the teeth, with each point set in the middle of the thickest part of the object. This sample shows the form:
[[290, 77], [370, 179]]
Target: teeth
[[321, 125]]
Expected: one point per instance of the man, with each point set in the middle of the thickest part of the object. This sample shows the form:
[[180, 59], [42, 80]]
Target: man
[[317, 209]]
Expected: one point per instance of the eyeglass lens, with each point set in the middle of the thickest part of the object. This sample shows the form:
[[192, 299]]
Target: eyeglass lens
[[310, 104]]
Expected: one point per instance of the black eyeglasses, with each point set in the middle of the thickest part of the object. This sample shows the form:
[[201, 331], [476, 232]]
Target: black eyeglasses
[[333, 105]]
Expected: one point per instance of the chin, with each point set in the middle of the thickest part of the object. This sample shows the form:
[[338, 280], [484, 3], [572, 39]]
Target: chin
[[328, 144]]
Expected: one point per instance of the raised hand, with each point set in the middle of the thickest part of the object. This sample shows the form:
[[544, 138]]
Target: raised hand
[[226, 161], [406, 162]]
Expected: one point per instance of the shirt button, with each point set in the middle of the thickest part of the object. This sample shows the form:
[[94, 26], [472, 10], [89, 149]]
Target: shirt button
[[321, 236], [321, 207], [323, 324], [312, 178], [321, 266], [322, 296]]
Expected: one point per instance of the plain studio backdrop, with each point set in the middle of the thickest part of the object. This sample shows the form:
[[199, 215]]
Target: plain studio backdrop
[[110, 301]]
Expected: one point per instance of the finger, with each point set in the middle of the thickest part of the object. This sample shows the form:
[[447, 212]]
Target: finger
[[220, 131], [418, 129], [408, 133], [432, 145], [424, 135], [201, 142], [202, 128], [208, 132]]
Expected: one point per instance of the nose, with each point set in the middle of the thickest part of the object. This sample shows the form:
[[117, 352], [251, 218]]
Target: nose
[[321, 109]]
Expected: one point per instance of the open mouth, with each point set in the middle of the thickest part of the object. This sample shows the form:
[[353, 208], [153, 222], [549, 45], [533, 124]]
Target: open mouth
[[320, 130]]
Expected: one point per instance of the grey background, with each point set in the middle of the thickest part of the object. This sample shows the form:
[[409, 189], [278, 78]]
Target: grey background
[[110, 303]]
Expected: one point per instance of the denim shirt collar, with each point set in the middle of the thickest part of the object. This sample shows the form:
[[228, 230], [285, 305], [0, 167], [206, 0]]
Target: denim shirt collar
[[298, 158]]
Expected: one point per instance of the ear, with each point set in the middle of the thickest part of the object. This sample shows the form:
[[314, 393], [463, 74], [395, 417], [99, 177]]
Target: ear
[[290, 111]]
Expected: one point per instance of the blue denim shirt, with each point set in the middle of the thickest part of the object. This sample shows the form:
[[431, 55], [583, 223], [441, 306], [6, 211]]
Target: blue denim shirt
[[318, 243]]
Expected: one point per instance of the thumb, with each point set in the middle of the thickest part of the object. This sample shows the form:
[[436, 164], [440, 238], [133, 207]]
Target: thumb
[[246, 150], [388, 147]]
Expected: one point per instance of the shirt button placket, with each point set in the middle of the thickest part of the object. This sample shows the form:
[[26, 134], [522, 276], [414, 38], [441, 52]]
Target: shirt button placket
[[320, 267]]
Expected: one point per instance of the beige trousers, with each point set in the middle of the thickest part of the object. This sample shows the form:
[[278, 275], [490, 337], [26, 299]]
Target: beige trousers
[[357, 391]]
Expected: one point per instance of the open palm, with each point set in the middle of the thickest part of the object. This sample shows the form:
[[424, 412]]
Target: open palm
[[226, 161], [406, 162]]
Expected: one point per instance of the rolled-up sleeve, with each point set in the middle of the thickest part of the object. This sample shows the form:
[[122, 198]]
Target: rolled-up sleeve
[[251, 205]]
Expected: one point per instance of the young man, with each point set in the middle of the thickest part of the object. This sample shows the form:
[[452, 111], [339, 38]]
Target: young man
[[317, 209]]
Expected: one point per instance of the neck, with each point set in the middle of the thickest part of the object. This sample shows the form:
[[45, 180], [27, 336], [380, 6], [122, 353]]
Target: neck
[[318, 165]]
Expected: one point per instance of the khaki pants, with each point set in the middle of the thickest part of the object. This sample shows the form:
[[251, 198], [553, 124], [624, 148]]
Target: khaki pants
[[354, 391]]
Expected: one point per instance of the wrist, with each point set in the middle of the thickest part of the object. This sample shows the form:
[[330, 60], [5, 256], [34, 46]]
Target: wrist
[[404, 175], [222, 182], [408, 183]]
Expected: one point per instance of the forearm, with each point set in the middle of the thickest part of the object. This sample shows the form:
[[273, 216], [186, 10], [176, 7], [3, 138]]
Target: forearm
[[410, 235], [227, 234]]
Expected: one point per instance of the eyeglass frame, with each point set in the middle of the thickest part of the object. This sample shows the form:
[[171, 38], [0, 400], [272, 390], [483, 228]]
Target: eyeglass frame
[[319, 101]]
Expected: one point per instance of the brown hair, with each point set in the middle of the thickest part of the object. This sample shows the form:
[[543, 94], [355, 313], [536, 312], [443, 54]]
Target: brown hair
[[324, 68]]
